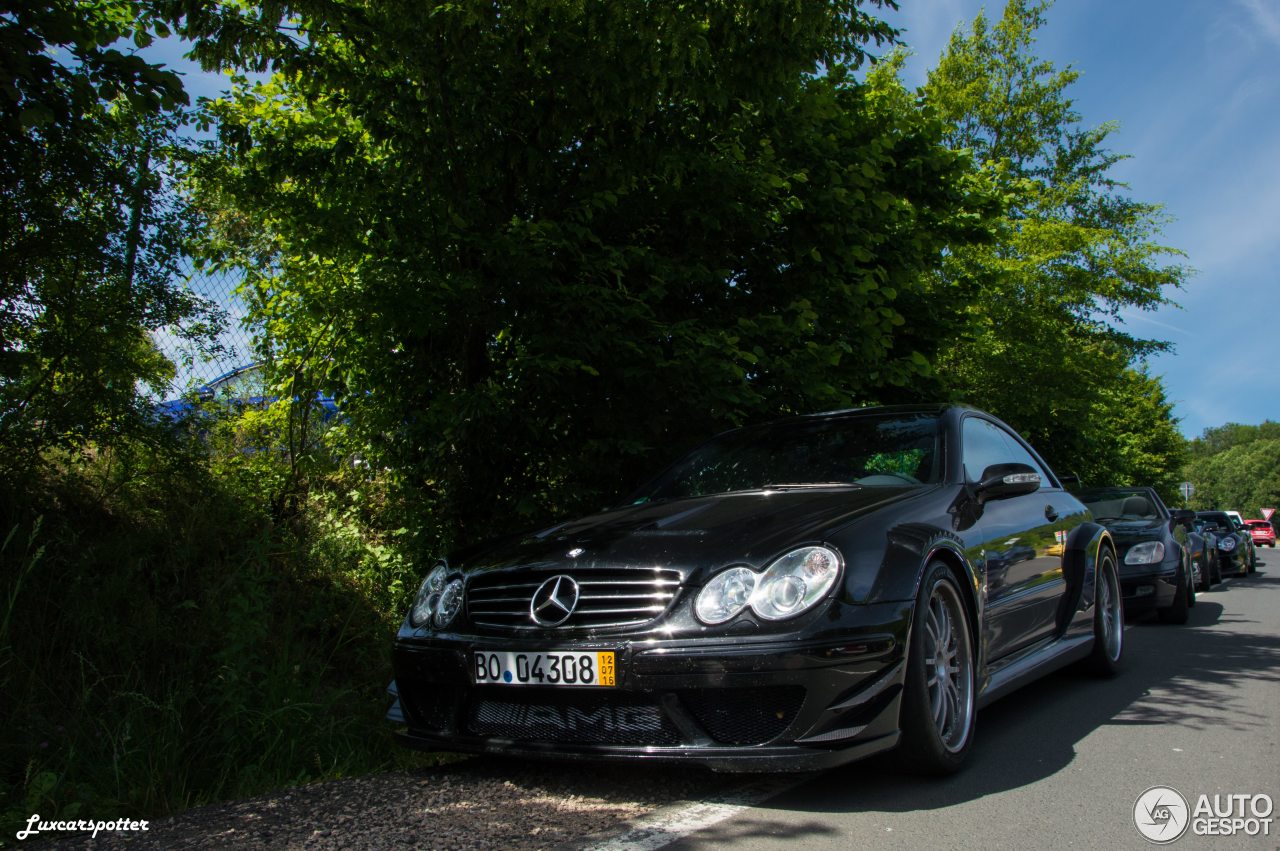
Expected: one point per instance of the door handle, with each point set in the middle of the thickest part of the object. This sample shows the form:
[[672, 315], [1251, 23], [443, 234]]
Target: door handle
[[1050, 513]]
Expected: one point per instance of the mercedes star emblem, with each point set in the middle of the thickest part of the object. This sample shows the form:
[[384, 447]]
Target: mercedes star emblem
[[554, 601]]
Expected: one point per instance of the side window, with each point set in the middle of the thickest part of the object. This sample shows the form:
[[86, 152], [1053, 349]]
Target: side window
[[985, 444]]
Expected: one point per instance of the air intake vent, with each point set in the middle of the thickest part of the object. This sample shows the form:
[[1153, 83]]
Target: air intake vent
[[607, 596]]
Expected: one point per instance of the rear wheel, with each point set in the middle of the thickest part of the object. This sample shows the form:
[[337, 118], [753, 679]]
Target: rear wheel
[[938, 701], [1108, 619]]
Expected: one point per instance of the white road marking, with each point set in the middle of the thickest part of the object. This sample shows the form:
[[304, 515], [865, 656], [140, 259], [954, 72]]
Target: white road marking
[[664, 826]]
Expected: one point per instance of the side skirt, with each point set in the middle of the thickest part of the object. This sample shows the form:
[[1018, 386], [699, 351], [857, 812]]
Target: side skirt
[[1034, 662]]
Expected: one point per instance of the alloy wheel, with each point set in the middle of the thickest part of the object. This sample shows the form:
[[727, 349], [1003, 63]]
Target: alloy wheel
[[948, 661]]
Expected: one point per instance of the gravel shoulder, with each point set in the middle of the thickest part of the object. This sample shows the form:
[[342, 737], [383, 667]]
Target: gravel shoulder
[[477, 803]]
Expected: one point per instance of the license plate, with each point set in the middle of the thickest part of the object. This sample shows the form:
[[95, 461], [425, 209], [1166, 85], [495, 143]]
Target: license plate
[[551, 668]]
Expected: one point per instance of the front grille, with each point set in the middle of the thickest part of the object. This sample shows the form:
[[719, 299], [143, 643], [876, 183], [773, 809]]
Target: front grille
[[580, 719], [744, 716], [609, 596]]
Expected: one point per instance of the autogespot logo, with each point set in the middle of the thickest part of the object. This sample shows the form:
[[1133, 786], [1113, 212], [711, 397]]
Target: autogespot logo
[[1161, 814]]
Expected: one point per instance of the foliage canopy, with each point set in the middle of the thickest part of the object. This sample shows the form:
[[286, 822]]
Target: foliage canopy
[[90, 227], [531, 248], [1043, 345]]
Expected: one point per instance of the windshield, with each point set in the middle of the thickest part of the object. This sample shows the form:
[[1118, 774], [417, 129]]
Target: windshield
[[1219, 524], [871, 450], [1259, 524], [1136, 505]]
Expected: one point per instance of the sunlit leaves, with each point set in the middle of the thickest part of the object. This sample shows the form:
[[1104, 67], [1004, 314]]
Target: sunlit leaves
[[538, 251]]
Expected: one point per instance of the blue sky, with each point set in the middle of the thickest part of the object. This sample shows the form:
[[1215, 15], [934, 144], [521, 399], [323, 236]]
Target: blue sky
[[1196, 90]]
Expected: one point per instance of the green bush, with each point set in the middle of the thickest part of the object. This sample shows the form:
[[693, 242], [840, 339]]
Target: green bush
[[166, 640]]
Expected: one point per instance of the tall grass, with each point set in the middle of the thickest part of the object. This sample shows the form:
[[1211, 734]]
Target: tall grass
[[165, 641]]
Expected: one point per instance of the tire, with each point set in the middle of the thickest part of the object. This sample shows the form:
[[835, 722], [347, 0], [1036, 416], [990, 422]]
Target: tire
[[1253, 560], [939, 705], [1108, 620], [1178, 611], [1215, 567], [1206, 577]]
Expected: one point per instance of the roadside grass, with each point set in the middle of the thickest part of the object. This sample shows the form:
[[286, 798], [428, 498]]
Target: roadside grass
[[166, 641]]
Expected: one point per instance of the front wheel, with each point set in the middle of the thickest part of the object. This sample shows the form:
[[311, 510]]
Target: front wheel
[[1108, 619], [938, 707]]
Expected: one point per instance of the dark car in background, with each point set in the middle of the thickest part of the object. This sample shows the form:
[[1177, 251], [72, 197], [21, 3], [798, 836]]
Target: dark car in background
[[1207, 552], [1263, 534], [1156, 572], [1235, 545], [788, 596]]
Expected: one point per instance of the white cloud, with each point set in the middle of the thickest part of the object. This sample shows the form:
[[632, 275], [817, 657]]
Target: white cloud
[[1264, 20]]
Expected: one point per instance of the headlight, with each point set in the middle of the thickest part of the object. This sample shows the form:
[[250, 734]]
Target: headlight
[[793, 584], [449, 605], [1145, 553], [1227, 544], [725, 595], [428, 596]]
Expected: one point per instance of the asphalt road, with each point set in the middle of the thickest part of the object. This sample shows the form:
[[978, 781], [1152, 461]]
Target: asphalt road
[[1061, 763]]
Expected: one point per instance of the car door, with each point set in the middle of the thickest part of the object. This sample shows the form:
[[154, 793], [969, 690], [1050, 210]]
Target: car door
[[1023, 542]]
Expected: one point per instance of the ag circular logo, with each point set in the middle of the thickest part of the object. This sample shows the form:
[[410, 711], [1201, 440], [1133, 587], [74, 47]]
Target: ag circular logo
[[1161, 814]]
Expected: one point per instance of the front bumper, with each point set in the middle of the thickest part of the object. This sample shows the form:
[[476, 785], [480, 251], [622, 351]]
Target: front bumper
[[804, 701], [1148, 590]]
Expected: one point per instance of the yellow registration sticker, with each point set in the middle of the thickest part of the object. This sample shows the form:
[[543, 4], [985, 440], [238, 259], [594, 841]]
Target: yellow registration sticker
[[608, 673]]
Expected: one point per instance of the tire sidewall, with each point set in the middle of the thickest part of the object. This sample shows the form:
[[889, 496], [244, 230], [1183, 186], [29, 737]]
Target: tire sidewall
[[922, 744], [1100, 659]]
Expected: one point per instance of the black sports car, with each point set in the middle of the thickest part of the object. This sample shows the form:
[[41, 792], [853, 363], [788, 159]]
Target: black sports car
[[1155, 564], [1235, 545], [788, 596]]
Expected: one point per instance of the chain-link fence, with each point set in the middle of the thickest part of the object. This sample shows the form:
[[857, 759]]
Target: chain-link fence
[[199, 363]]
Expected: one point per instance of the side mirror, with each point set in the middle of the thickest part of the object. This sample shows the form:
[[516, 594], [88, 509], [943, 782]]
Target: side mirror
[[1001, 481], [1184, 517]]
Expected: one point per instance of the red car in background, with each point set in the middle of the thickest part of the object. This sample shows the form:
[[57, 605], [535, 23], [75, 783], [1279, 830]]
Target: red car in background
[[1262, 532]]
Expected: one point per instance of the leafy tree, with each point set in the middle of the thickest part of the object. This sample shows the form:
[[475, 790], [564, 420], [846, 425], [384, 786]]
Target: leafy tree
[[536, 249], [1221, 438], [1236, 466], [89, 228], [1041, 344]]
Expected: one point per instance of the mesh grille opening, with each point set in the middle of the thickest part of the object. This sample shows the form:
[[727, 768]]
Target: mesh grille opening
[[744, 716]]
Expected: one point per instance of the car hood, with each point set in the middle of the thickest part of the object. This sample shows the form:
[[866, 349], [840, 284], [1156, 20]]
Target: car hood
[[694, 535]]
